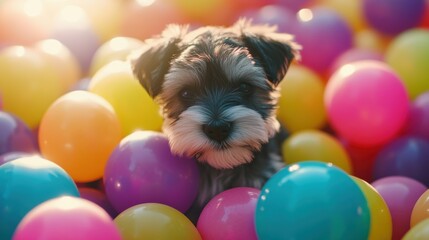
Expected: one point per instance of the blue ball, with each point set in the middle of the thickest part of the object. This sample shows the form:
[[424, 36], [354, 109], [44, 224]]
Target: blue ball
[[25, 183], [312, 200]]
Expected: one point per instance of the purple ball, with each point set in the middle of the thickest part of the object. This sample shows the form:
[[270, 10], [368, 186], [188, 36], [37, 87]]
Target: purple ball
[[405, 156], [418, 120], [400, 195], [324, 35], [15, 135], [393, 16], [142, 169], [83, 42], [274, 15]]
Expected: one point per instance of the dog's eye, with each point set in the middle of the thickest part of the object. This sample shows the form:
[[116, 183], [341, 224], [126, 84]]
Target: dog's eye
[[187, 94], [245, 88]]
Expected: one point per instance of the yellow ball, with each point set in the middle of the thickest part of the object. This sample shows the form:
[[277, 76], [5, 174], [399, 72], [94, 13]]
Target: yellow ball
[[418, 232], [381, 220], [370, 39], [315, 145], [28, 83], [155, 221], [301, 102], [135, 108], [408, 55], [118, 48], [64, 62]]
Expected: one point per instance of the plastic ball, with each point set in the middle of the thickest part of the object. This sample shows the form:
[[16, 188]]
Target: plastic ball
[[294, 5], [118, 48], [15, 135], [392, 17], [408, 55], [78, 132], [277, 15], [81, 39], [138, 21], [202, 11], [98, 197], [400, 195], [22, 22], [10, 156], [354, 55], [301, 102], [370, 39], [230, 215], [142, 169], [420, 210], [324, 148], [419, 117], [418, 232], [405, 156], [27, 182], [155, 221], [63, 217], [34, 87], [308, 200], [61, 59], [362, 159], [116, 83], [333, 36], [367, 103], [381, 221]]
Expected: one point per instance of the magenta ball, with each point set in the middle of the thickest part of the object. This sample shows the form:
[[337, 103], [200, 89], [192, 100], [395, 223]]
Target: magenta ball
[[15, 135], [400, 195], [230, 215], [392, 17], [142, 169], [65, 218], [417, 124], [366, 102], [324, 35], [98, 197], [405, 156], [354, 55]]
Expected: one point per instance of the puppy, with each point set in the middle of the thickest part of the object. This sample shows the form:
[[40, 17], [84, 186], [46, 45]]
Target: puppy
[[218, 92]]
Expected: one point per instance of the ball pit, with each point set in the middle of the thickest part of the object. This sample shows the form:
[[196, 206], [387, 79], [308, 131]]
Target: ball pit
[[50, 47], [27, 182], [62, 217]]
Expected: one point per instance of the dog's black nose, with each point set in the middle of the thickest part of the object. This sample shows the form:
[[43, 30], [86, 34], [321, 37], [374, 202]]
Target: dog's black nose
[[217, 131]]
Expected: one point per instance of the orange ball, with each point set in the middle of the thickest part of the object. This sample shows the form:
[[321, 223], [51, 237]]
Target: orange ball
[[78, 132]]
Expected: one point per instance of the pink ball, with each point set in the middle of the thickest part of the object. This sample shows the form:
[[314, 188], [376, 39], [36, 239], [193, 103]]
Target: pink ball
[[400, 195], [64, 218], [354, 55], [366, 102], [230, 215]]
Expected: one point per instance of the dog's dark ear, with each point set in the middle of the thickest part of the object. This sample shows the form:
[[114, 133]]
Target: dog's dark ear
[[152, 62], [273, 51]]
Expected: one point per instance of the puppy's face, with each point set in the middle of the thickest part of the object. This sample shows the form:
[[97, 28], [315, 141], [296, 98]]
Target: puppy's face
[[217, 90]]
